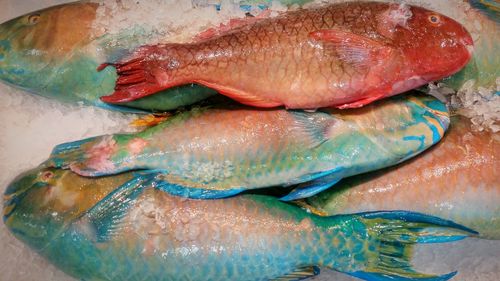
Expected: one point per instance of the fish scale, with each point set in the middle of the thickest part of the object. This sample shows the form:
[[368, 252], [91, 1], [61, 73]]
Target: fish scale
[[456, 179], [220, 151], [131, 230], [342, 55]]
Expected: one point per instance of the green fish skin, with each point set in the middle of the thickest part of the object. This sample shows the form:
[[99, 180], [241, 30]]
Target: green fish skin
[[121, 228], [55, 53], [457, 179], [218, 152]]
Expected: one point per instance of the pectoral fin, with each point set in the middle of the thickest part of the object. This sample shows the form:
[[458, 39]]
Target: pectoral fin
[[314, 187], [190, 190], [106, 217], [353, 49], [316, 126]]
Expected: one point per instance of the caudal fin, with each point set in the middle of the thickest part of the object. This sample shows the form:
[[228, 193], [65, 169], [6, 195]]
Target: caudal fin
[[388, 241], [97, 156], [144, 73]]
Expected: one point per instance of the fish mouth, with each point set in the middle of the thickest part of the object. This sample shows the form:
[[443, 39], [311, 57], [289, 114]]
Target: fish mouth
[[443, 119], [468, 43], [470, 49], [16, 191]]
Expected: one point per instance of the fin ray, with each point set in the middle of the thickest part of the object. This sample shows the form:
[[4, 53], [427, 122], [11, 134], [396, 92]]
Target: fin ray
[[315, 186], [359, 51], [392, 236], [300, 273], [107, 215]]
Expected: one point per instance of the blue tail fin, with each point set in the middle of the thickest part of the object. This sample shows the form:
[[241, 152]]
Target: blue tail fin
[[385, 243]]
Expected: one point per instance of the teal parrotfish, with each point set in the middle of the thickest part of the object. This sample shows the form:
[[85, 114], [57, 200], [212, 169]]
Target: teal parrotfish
[[457, 179], [55, 53], [125, 228], [217, 152]]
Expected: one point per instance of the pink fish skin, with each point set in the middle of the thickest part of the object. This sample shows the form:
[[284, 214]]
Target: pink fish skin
[[342, 55], [457, 179]]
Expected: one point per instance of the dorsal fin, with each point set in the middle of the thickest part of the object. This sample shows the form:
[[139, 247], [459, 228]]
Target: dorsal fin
[[230, 26]]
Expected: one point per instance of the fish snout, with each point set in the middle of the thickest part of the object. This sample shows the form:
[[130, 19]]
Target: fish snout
[[440, 112], [4, 49], [15, 192], [444, 119], [468, 43]]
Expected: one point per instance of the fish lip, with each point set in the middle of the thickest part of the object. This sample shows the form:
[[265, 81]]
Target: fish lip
[[444, 119], [468, 43], [470, 49]]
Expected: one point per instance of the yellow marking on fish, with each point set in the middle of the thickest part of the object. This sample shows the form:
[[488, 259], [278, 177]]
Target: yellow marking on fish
[[150, 120], [303, 204], [8, 197], [436, 124], [8, 209]]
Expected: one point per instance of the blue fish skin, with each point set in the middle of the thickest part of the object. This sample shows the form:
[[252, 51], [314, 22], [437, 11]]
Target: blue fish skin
[[218, 152], [124, 228], [460, 172]]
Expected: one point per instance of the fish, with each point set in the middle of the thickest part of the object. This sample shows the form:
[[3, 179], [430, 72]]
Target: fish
[[55, 53], [218, 152], [122, 228], [342, 55], [49, 71], [457, 179]]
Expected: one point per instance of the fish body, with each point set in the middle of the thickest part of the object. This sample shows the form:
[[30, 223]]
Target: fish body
[[344, 55], [55, 53], [40, 53], [118, 228], [457, 179], [218, 152]]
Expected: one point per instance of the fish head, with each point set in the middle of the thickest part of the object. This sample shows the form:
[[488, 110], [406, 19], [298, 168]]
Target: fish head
[[404, 125], [424, 121], [42, 203], [34, 47], [434, 45]]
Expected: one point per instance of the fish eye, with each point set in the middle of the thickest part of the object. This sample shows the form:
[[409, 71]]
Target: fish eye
[[47, 175], [33, 19], [434, 19]]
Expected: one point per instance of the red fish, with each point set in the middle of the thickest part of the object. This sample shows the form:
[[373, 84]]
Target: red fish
[[342, 55]]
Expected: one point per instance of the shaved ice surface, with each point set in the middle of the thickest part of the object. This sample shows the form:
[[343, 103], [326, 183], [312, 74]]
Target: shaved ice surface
[[32, 126]]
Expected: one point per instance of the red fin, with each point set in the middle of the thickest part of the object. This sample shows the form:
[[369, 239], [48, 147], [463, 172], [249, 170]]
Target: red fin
[[360, 103], [354, 49], [240, 96], [140, 76]]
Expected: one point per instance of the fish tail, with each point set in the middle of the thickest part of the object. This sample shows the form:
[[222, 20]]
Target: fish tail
[[97, 156], [150, 69], [379, 245]]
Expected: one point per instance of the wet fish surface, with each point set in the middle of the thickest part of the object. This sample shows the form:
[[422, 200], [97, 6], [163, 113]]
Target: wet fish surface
[[344, 55], [121, 228], [219, 152], [457, 179]]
